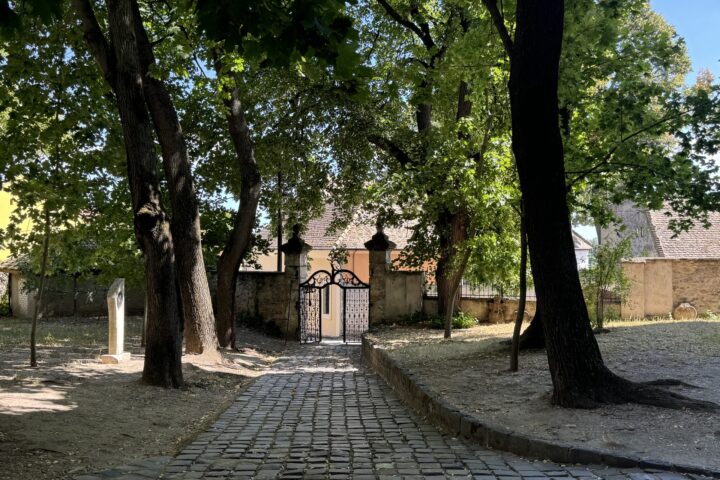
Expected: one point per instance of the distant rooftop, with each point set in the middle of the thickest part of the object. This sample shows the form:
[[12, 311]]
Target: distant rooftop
[[698, 242], [353, 237], [579, 242]]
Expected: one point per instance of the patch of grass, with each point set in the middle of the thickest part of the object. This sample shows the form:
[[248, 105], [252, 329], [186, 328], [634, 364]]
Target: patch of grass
[[58, 332]]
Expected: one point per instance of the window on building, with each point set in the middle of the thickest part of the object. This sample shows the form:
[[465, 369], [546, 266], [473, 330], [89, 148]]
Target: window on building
[[326, 300]]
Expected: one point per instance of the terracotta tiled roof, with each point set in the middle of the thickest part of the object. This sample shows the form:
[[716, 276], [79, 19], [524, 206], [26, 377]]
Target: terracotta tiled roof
[[353, 237], [698, 242], [579, 242]]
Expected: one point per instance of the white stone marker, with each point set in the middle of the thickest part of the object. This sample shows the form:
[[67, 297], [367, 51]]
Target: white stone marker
[[116, 323]]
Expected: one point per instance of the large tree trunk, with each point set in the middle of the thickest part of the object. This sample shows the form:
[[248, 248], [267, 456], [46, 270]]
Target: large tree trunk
[[194, 291], [579, 375], [120, 67], [241, 235]]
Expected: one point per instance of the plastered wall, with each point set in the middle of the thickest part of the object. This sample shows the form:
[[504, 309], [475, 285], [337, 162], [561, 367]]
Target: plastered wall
[[659, 285]]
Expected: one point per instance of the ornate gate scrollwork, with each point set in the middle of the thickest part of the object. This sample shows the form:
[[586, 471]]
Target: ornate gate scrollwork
[[354, 309]]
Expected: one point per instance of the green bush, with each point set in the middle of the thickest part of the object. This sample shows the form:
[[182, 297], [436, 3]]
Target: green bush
[[460, 321]]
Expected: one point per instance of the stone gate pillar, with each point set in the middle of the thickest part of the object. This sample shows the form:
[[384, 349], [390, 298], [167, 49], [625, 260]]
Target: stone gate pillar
[[295, 251], [379, 247]]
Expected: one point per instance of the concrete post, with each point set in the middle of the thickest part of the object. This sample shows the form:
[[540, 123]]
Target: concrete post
[[379, 252], [295, 251], [116, 323]]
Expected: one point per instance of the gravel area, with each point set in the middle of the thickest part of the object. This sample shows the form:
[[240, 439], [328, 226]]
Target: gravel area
[[74, 414], [471, 372]]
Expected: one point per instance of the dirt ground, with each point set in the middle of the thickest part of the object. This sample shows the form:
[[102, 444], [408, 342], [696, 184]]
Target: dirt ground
[[73, 414], [471, 372]]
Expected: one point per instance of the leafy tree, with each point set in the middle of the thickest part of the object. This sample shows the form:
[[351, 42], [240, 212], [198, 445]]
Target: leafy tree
[[314, 37], [123, 69], [580, 377], [630, 130], [61, 163], [443, 134], [605, 275]]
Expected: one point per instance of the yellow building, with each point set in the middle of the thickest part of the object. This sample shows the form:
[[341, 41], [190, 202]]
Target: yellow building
[[6, 209]]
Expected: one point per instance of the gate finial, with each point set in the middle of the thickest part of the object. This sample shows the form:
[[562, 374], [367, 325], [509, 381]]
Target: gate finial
[[295, 245], [379, 241]]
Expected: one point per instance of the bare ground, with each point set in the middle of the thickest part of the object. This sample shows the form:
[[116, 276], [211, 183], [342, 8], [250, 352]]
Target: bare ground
[[73, 414], [471, 372]]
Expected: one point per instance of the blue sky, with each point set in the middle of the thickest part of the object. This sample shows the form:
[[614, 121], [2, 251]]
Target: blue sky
[[698, 22]]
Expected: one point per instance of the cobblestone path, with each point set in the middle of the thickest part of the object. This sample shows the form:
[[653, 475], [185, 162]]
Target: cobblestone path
[[319, 414]]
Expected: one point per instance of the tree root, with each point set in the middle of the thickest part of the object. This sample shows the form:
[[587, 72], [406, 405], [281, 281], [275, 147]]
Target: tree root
[[669, 382], [617, 390], [651, 395]]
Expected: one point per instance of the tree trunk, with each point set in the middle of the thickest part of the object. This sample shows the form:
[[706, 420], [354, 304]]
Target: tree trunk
[[534, 335], [579, 375], [163, 344], [241, 235], [279, 223], [576, 364], [514, 351], [452, 230], [40, 297], [194, 291], [452, 227]]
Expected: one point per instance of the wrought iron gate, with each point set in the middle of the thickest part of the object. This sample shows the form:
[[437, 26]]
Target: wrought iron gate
[[354, 309]]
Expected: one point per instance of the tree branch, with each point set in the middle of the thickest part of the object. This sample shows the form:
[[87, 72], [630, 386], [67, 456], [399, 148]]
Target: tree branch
[[95, 40], [499, 22], [611, 153], [423, 33], [391, 148]]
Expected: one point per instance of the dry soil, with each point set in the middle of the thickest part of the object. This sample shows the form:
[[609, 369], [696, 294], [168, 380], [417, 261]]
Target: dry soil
[[73, 414], [471, 372]]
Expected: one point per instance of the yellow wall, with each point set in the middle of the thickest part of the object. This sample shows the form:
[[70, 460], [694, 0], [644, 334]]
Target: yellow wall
[[6, 209]]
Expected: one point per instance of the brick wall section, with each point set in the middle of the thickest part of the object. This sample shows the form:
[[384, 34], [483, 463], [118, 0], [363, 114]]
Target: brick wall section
[[659, 285], [698, 283]]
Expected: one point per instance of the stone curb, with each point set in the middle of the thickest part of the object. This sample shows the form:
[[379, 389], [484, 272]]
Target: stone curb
[[441, 413]]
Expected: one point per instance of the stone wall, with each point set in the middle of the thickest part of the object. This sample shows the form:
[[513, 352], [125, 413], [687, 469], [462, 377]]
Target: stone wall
[[403, 294], [264, 296], [480, 308], [659, 285], [64, 298]]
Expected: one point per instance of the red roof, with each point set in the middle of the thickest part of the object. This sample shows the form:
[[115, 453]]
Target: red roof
[[698, 242], [353, 237]]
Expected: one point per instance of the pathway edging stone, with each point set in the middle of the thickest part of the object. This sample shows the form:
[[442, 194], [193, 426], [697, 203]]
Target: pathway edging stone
[[441, 413]]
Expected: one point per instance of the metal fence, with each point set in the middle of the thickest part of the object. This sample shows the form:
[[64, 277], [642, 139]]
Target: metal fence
[[468, 290]]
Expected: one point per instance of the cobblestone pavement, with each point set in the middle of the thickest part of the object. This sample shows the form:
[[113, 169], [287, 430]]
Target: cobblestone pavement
[[320, 414]]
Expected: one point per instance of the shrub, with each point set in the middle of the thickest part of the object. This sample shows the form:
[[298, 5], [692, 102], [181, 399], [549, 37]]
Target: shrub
[[460, 321], [464, 320]]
